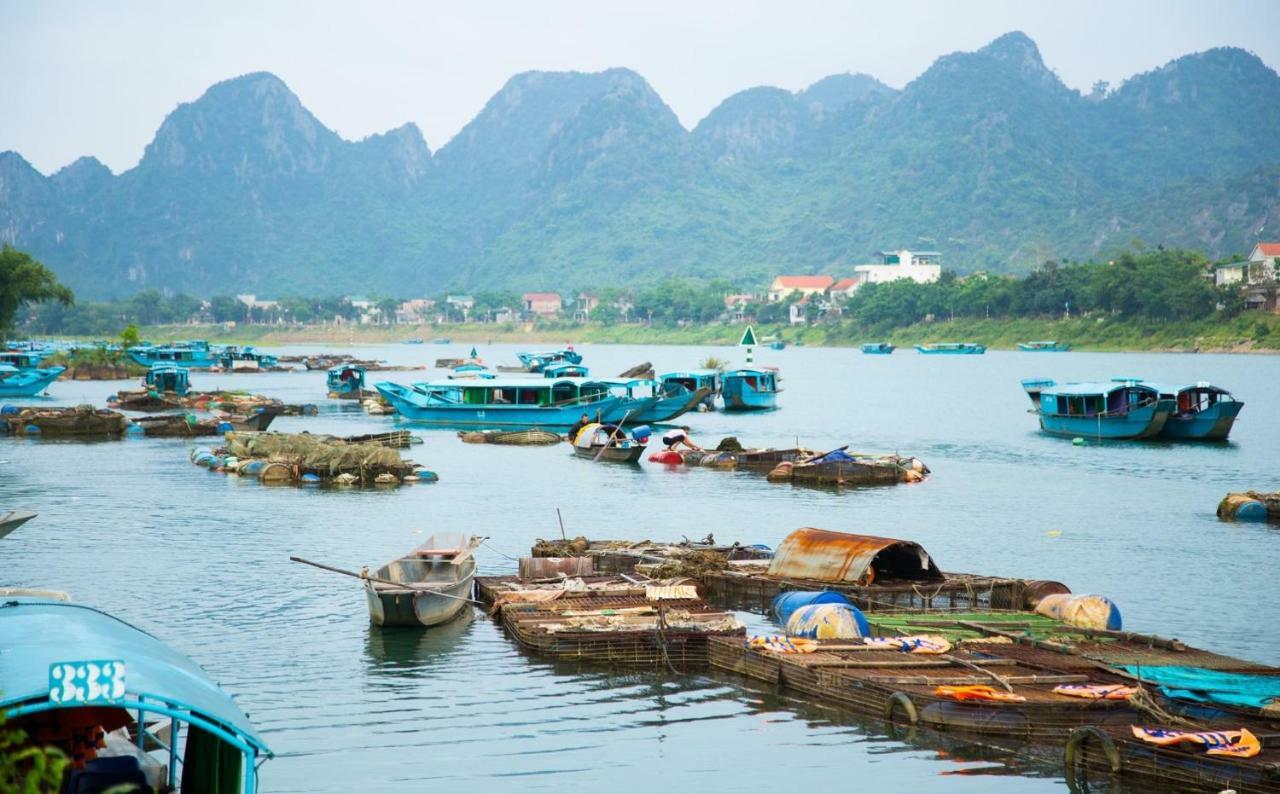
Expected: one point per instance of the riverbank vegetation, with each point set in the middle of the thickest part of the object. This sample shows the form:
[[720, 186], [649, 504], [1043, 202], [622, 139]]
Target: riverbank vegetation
[[1138, 300]]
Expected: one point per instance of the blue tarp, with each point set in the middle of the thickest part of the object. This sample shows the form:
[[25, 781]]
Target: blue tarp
[[1211, 686]]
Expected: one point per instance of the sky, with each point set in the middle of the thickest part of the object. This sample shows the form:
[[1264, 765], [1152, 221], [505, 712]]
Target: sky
[[82, 77]]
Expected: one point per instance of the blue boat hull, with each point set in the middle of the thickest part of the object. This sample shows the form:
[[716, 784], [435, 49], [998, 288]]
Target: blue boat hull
[[29, 383], [739, 396], [200, 360], [1145, 422], [878, 351], [495, 416], [967, 351], [1212, 424]]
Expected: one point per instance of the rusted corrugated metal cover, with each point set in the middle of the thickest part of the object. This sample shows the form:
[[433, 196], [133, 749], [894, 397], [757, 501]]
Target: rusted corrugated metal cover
[[551, 567], [827, 556]]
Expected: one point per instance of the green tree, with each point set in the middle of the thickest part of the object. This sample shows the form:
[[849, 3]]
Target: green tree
[[129, 336], [23, 281], [26, 768]]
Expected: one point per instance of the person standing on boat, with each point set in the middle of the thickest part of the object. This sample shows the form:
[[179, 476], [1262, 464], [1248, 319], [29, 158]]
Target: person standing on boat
[[577, 426], [677, 436]]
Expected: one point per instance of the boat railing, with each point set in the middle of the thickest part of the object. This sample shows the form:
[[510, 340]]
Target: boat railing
[[1128, 409]]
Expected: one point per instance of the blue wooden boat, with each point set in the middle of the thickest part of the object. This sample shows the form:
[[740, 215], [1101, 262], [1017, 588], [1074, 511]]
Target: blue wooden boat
[[535, 362], [192, 355], [237, 359], [878, 348], [1044, 346], [166, 378], [778, 344], [470, 370], [647, 401], [952, 349], [15, 382], [1202, 412], [346, 382], [22, 359], [706, 381], [65, 665], [605, 442], [749, 389], [564, 369], [1119, 409], [501, 402]]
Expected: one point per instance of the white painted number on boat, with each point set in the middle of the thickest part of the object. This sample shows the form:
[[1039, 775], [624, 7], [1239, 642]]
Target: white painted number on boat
[[100, 681]]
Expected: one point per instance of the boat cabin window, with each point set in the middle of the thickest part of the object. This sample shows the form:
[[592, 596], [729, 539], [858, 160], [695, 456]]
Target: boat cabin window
[[563, 393], [528, 396]]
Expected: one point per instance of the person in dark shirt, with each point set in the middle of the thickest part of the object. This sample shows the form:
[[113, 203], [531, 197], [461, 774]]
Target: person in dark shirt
[[577, 427]]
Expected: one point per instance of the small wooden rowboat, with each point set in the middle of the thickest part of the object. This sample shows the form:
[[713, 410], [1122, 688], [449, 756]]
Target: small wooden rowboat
[[428, 586], [13, 519], [610, 442]]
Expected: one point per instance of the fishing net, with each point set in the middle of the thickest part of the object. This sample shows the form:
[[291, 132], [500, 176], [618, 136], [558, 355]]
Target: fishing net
[[312, 451]]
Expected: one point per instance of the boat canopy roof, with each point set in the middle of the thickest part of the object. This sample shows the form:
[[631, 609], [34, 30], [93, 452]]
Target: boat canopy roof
[[827, 556], [508, 383], [8, 369], [747, 371], [690, 373], [1202, 386], [37, 633], [1095, 387], [344, 367]]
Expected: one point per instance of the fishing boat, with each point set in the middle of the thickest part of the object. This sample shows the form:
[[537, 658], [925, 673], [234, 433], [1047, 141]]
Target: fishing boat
[[22, 359], [164, 387], [193, 355], [236, 359], [565, 370], [501, 402], [15, 382], [428, 586], [610, 442], [878, 348], [778, 344], [641, 400], [707, 380], [1044, 346], [13, 519], [153, 719], [346, 382], [470, 370], [1202, 412], [750, 389], [952, 349], [165, 378], [441, 340], [1119, 409], [534, 362], [415, 340]]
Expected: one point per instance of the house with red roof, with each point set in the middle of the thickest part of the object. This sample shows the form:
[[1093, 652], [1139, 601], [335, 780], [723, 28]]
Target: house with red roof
[[784, 287], [1255, 275], [1264, 262], [543, 304]]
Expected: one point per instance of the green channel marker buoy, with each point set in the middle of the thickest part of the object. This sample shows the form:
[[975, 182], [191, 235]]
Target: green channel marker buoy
[[1078, 441]]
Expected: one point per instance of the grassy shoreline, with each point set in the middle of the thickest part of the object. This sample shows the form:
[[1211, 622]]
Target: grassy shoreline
[[1249, 333]]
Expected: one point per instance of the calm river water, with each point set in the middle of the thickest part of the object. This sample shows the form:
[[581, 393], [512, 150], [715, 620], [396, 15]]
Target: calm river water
[[201, 560]]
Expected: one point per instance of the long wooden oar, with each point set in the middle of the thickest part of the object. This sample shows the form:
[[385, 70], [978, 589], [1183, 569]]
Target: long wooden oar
[[380, 581], [612, 436]]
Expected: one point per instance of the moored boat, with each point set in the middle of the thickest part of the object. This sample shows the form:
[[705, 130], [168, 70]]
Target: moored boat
[[101, 691], [564, 369], [470, 370], [535, 362], [501, 402], [346, 382], [704, 380], [750, 389], [13, 519], [1044, 346], [1119, 409], [952, 349], [428, 586], [245, 359], [22, 359], [878, 348], [193, 355], [16, 382], [1202, 412], [610, 442]]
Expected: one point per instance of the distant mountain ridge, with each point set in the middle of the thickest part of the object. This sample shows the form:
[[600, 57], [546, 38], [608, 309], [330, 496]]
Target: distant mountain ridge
[[568, 179]]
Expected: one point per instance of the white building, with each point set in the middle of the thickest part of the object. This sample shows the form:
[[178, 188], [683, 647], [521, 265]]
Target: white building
[[922, 267]]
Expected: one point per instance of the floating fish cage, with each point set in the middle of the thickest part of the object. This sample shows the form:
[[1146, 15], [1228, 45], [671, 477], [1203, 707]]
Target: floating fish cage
[[621, 556], [645, 630], [904, 687], [78, 421], [1101, 756]]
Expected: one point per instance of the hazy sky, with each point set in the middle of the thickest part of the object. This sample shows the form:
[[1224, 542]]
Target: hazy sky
[[86, 77]]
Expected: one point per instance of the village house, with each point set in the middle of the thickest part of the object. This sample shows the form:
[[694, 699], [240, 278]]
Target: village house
[[735, 306], [1257, 274], [784, 287], [418, 310], [366, 310], [583, 307], [922, 267], [543, 304]]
